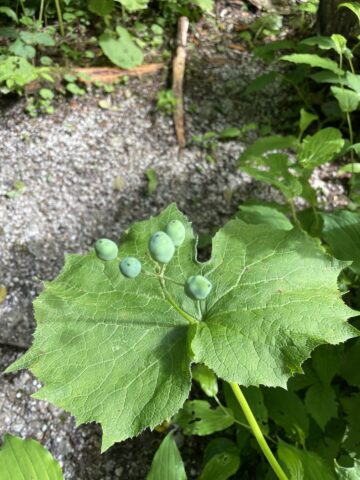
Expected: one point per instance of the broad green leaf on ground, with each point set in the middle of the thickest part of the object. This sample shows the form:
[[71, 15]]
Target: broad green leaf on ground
[[206, 379], [121, 51], [324, 43], [314, 61], [287, 410], [118, 351], [342, 232], [133, 5], [302, 464], [320, 402], [321, 147], [255, 399], [347, 99], [27, 459], [352, 473], [351, 442], [167, 463], [197, 417], [350, 364], [268, 215]]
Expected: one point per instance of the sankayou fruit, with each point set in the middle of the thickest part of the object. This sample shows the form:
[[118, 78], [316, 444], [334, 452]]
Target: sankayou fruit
[[197, 287], [130, 267], [176, 231], [106, 249], [161, 247]]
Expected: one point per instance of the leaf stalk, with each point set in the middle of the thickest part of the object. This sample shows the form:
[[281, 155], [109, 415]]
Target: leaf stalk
[[257, 432]]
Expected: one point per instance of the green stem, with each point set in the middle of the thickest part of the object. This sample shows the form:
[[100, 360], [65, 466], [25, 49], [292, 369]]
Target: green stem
[[244, 425], [155, 275], [41, 12], [172, 302], [351, 66], [60, 19], [293, 213], [257, 432], [351, 134]]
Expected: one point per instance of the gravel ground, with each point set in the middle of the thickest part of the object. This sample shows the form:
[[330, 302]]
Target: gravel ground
[[84, 170]]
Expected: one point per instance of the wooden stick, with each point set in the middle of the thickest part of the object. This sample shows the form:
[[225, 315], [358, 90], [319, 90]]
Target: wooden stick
[[178, 80], [98, 74]]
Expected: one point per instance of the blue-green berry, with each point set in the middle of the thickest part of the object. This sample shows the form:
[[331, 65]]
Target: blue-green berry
[[176, 231], [106, 249], [161, 247], [197, 287], [130, 267]]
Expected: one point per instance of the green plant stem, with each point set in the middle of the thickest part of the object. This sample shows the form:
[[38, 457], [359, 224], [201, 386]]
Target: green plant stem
[[172, 302], [41, 12], [351, 135], [351, 66], [60, 19], [156, 275], [223, 408], [257, 432], [293, 213]]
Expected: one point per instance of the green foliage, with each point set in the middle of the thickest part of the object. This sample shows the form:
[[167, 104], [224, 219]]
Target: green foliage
[[147, 332], [198, 418], [121, 49], [167, 463], [206, 379], [301, 464], [20, 459], [222, 460], [342, 233], [352, 473]]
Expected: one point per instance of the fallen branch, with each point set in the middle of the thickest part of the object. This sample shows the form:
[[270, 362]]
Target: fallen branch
[[178, 80], [98, 74]]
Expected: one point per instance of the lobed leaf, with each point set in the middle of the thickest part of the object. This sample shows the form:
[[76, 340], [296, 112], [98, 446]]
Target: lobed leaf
[[119, 351]]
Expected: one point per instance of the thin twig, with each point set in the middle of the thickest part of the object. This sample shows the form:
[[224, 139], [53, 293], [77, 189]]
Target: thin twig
[[178, 80]]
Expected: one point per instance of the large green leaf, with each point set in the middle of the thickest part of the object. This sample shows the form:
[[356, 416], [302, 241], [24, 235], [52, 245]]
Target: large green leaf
[[27, 459], [321, 147], [347, 99], [267, 214], [303, 465], [118, 351], [121, 51], [288, 411], [320, 401], [167, 463], [314, 61], [342, 232]]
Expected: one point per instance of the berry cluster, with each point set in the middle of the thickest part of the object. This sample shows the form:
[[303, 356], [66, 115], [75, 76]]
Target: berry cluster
[[162, 247]]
